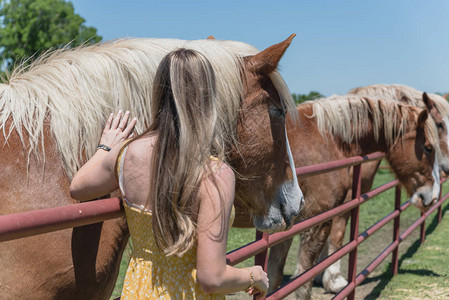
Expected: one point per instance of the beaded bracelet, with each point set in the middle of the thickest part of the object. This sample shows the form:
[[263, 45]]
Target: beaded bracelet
[[104, 147], [251, 283]]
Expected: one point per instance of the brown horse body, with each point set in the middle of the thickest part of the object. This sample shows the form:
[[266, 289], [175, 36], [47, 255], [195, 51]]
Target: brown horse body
[[51, 99], [438, 108], [405, 152], [82, 263]]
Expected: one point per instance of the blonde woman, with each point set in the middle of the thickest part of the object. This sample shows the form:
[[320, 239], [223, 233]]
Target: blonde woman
[[178, 192]]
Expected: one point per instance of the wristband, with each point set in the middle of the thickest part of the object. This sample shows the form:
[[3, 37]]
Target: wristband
[[251, 283], [104, 147]]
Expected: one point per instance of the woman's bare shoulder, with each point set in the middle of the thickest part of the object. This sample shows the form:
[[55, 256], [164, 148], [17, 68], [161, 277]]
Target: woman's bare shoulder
[[224, 172], [141, 148], [223, 178]]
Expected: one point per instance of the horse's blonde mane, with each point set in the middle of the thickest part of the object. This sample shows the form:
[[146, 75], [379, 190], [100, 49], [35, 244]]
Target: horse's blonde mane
[[349, 116], [74, 90], [395, 92]]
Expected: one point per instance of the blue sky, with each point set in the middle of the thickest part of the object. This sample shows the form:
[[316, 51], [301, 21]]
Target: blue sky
[[339, 44]]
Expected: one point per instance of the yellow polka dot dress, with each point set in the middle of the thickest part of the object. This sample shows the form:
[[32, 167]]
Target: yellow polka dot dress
[[153, 275]]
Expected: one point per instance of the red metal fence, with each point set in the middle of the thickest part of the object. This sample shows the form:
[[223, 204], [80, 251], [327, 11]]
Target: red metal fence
[[21, 225], [264, 241]]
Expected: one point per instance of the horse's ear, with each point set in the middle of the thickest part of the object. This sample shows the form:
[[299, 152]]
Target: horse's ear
[[211, 37], [429, 103], [422, 118], [268, 60]]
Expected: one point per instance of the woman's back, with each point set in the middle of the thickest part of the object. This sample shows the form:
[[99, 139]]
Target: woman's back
[[135, 171], [151, 273]]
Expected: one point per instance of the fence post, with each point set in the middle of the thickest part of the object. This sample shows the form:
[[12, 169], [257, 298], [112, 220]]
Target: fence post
[[397, 205], [423, 230], [352, 266], [261, 259]]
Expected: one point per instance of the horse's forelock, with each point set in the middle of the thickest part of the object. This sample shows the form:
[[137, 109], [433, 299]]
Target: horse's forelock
[[284, 93], [432, 135]]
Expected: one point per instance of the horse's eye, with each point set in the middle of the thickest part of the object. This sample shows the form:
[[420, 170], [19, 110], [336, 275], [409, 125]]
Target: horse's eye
[[440, 125], [277, 112], [428, 149]]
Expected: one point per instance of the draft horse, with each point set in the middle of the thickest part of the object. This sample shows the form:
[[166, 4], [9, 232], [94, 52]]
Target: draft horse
[[51, 118], [438, 109], [437, 106], [344, 126]]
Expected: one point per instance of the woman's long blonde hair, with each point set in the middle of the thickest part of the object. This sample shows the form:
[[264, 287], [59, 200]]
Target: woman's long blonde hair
[[189, 131]]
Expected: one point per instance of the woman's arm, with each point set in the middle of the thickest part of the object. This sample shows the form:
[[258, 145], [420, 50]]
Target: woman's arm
[[96, 178], [213, 274]]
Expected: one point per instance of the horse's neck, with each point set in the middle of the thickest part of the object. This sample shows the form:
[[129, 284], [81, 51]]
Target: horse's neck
[[365, 145], [369, 142]]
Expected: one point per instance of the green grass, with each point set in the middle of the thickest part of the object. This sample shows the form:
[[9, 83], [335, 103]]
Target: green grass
[[370, 213], [424, 270], [122, 272]]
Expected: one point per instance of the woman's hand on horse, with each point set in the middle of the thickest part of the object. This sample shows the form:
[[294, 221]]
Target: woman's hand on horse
[[117, 129], [261, 283], [97, 177]]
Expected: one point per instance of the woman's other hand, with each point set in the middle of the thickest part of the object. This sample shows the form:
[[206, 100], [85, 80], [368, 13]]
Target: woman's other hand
[[117, 129], [261, 283]]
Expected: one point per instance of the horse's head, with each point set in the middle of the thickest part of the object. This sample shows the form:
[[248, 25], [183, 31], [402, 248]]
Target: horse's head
[[414, 159], [442, 123], [267, 183]]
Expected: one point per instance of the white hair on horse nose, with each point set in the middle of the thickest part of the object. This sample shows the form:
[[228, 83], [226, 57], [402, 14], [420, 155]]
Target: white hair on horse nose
[[436, 180]]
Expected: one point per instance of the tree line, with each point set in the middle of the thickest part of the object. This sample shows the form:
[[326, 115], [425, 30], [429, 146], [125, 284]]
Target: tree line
[[299, 98], [30, 27]]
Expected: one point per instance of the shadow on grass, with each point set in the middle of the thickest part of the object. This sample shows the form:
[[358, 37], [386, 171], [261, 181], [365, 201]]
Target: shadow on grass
[[386, 276]]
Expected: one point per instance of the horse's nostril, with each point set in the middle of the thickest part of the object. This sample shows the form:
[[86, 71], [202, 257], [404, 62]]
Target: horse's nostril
[[421, 197], [285, 216], [424, 202]]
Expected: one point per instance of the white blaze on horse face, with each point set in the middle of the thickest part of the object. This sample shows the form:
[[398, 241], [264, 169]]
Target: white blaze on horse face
[[443, 156], [446, 124], [287, 203], [290, 193], [436, 181], [295, 186], [427, 195]]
